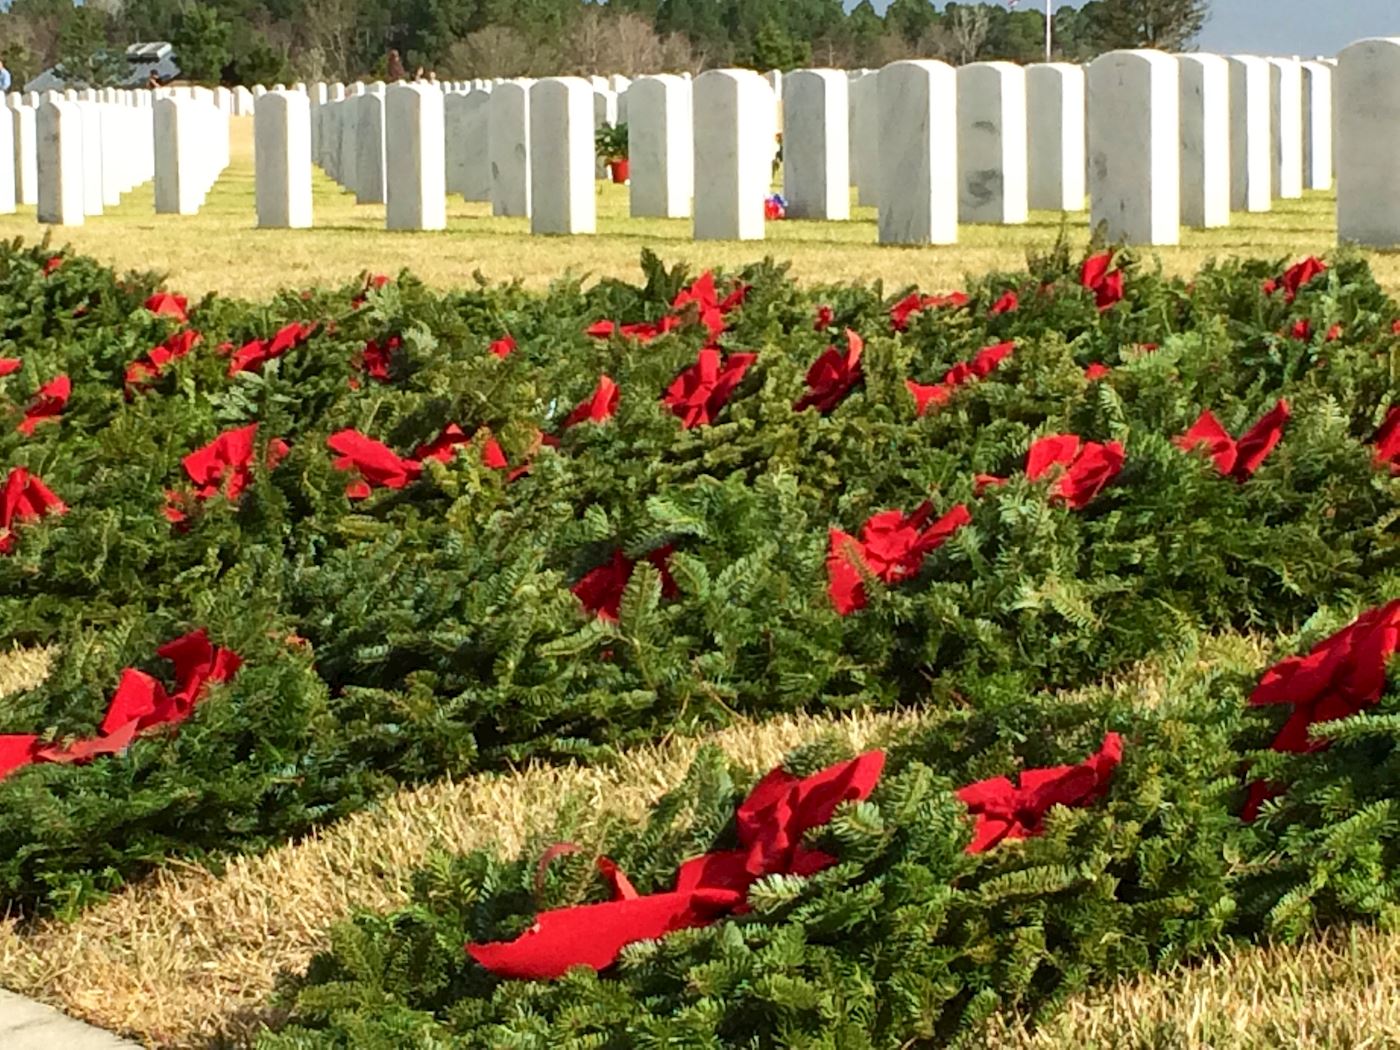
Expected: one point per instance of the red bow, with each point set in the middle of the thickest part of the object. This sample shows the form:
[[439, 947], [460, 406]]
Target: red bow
[[712, 309], [1096, 371], [642, 332], [140, 702], [832, 376], [1088, 466], [1107, 287], [771, 823], [24, 498], [9, 366], [1388, 441], [1295, 277], [504, 346], [1236, 459], [149, 367], [225, 465], [600, 590], [825, 318], [1003, 810], [892, 547], [47, 404], [51, 264], [163, 304], [254, 353], [1342, 676], [1007, 303], [914, 303], [374, 360], [700, 391], [601, 405], [983, 364], [377, 465], [377, 280]]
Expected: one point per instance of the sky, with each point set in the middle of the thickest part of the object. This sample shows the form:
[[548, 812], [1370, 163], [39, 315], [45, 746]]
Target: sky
[[1282, 27]]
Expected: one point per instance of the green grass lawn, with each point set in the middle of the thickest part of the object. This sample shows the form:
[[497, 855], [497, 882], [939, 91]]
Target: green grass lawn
[[220, 250]]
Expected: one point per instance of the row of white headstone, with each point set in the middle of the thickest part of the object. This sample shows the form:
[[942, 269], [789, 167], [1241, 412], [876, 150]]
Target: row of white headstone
[[74, 157]]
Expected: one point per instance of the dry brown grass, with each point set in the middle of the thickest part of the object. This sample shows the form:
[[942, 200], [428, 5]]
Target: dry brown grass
[[219, 249]]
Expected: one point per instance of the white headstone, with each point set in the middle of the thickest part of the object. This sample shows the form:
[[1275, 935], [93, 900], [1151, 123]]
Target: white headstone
[[1317, 126], [416, 142], [561, 156], [1367, 87], [733, 114], [369, 149], [816, 145], [182, 156], [26, 155], [468, 131], [918, 153], [1286, 126], [992, 185], [660, 147], [864, 135], [509, 148], [1134, 147], [282, 154], [90, 113], [1251, 149], [1056, 138], [60, 163], [1205, 141], [7, 171], [604, 108]]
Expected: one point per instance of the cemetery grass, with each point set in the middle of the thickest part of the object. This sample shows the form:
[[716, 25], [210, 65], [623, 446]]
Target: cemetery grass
[[220, 250], [189, 957]]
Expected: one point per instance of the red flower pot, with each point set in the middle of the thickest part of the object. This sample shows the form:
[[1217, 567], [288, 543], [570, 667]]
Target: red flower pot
[[620, 170]]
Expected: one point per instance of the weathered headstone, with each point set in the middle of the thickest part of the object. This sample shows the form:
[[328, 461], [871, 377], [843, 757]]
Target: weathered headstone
[[1134, 147], [1286, 126], [60, 163], [660, 147], [509, 148], [417, 174], [816, 145], [992, 184], [863, 132], [918, 191], [733, 114], [561, 156], [1205, 141], [282, 153], [1056, 138], [1317, 126], [370, 158], [1367, 87], [26, 155], [468, 160], [1251, 149]]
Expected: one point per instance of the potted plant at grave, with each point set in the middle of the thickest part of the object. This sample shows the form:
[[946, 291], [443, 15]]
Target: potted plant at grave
[[611, 141]]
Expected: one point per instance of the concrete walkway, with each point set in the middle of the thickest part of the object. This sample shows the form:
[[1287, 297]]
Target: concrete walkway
[[27, 1025]]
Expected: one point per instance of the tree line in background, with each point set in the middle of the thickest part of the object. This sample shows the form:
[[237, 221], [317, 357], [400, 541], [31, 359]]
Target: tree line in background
[[262, 41]]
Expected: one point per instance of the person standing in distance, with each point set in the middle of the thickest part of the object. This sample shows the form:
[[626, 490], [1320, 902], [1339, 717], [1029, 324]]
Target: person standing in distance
[[4, 77]]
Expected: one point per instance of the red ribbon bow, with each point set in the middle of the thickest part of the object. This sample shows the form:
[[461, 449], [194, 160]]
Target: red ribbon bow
[[256, 352], [372, 281], [225, 465], [47, 404], [1003, 810], [600, 590], [1236, 459], [892, 547], [1342, 676], [1295, 277], [914, 303], [1087, 466], [832, 376], [9, 366], [1095, 276], [1005, 305], [24, 498], [504, 346], [983, 364], [153, 364], [376, 464], [700, 391], [162, 304], [600, 406], [141, 702], [376, 358], [1388, 441], [771, 824]]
